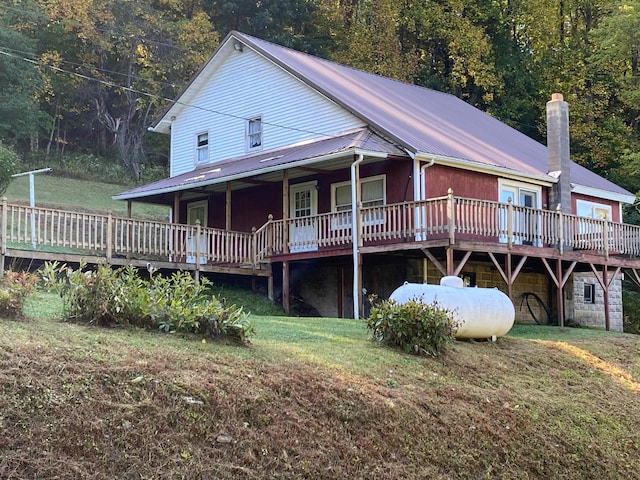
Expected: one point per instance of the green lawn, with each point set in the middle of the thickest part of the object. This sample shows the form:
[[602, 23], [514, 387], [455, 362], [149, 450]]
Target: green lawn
[[312, 398], [68, 193]]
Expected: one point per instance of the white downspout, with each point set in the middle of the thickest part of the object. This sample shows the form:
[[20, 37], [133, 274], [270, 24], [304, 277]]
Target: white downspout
[[421, 193], [355, 232]]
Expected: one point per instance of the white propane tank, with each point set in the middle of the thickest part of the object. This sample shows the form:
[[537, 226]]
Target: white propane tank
[[479, 312]]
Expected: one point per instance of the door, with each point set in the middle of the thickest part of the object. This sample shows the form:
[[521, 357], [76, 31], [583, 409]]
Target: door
[[197, 211], [303, 208], [526, 223]]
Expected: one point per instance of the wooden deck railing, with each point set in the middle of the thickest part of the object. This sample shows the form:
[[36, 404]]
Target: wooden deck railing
[[108, 236], [447, 218]]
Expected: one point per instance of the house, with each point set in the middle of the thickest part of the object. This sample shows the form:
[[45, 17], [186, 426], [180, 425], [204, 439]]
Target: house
[[349, 182]]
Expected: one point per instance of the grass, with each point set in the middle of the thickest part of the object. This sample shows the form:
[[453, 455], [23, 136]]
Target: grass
[[69, 193], [313, 398]]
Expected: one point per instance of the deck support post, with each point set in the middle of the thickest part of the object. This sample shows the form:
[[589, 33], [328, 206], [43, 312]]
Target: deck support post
[[270, 287], [450, 262], [285, 288], [356, 235], [607, 319], [560, 292]]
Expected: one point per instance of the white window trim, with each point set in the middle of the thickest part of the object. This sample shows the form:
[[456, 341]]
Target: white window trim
[[198, 204], [592, 206], [520, 187], [199, 148], [248, 135], [527, 187], [346, 221]]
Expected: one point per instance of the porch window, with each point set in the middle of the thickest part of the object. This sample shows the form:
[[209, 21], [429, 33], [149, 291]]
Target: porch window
[[254, 133], [598, 211], [372, 191], [202, 148]]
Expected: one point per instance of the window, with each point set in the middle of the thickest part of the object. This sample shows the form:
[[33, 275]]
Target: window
[[202, 148], [372, 191], [254, 133], [589, 293], [594, 210]]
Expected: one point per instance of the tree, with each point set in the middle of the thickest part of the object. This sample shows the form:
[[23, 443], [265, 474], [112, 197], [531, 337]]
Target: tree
[[9, 161], [20, 118]]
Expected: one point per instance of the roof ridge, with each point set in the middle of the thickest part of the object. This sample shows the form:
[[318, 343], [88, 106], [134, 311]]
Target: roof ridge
[[340, 65]]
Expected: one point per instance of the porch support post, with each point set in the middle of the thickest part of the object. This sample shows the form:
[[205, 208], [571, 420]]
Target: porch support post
[[129, 209], [285, 288], [285, 211], [227, 205]]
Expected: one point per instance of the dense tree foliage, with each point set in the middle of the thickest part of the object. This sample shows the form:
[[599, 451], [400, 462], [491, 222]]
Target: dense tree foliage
[[97, 61]]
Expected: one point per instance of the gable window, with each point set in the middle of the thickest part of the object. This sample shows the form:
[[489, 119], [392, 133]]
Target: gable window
[[589, 293], [254, 133], [202, 148], [372, 191]]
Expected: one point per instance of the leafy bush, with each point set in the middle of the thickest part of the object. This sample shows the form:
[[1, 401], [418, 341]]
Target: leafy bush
[[8, 166], [415, 327], [14, 288], [171, 304]]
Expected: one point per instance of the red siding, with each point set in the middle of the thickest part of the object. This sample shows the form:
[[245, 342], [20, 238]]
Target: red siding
[[465, 183]]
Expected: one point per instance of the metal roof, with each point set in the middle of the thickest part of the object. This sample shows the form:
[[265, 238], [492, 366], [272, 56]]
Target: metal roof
[[333, 152], [422, 121]]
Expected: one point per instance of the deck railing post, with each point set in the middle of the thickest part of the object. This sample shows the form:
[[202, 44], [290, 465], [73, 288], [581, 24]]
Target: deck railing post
[[270, 235], [509, 223], [109, 236], [605, 238], [3, 247], [560, 229], [254, 247], [451, 221], [197, 242]]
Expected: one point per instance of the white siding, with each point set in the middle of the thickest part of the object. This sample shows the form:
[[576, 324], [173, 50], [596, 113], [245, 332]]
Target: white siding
[[247, 85]]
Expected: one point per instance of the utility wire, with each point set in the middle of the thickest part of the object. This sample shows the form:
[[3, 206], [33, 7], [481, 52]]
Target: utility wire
[[155, 96]]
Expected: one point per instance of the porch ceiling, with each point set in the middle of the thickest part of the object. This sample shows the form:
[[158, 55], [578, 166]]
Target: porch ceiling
[[266, 167]]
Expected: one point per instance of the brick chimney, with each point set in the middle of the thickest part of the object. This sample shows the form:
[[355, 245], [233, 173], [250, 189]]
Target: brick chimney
[[558, 152]]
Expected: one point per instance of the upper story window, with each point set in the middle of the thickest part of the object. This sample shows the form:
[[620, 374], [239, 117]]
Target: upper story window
[[254, 133], [202, 148], [598, 211]]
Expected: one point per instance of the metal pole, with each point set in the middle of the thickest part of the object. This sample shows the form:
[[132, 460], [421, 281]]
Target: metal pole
[[32, 200], [32, 204]]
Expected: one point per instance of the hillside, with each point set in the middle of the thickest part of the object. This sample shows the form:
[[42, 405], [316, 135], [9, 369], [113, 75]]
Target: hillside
[[73, 194], [313, 398]]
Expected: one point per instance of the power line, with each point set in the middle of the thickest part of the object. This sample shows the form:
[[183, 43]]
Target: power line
[[157, 97]]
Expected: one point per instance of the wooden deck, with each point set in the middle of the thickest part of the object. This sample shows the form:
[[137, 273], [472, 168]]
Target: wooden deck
[[51, 234]]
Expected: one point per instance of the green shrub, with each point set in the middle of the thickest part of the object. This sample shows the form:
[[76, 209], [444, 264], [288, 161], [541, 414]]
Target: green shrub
[[14, 288], [415, 327], [9, 161], [171, 304]]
